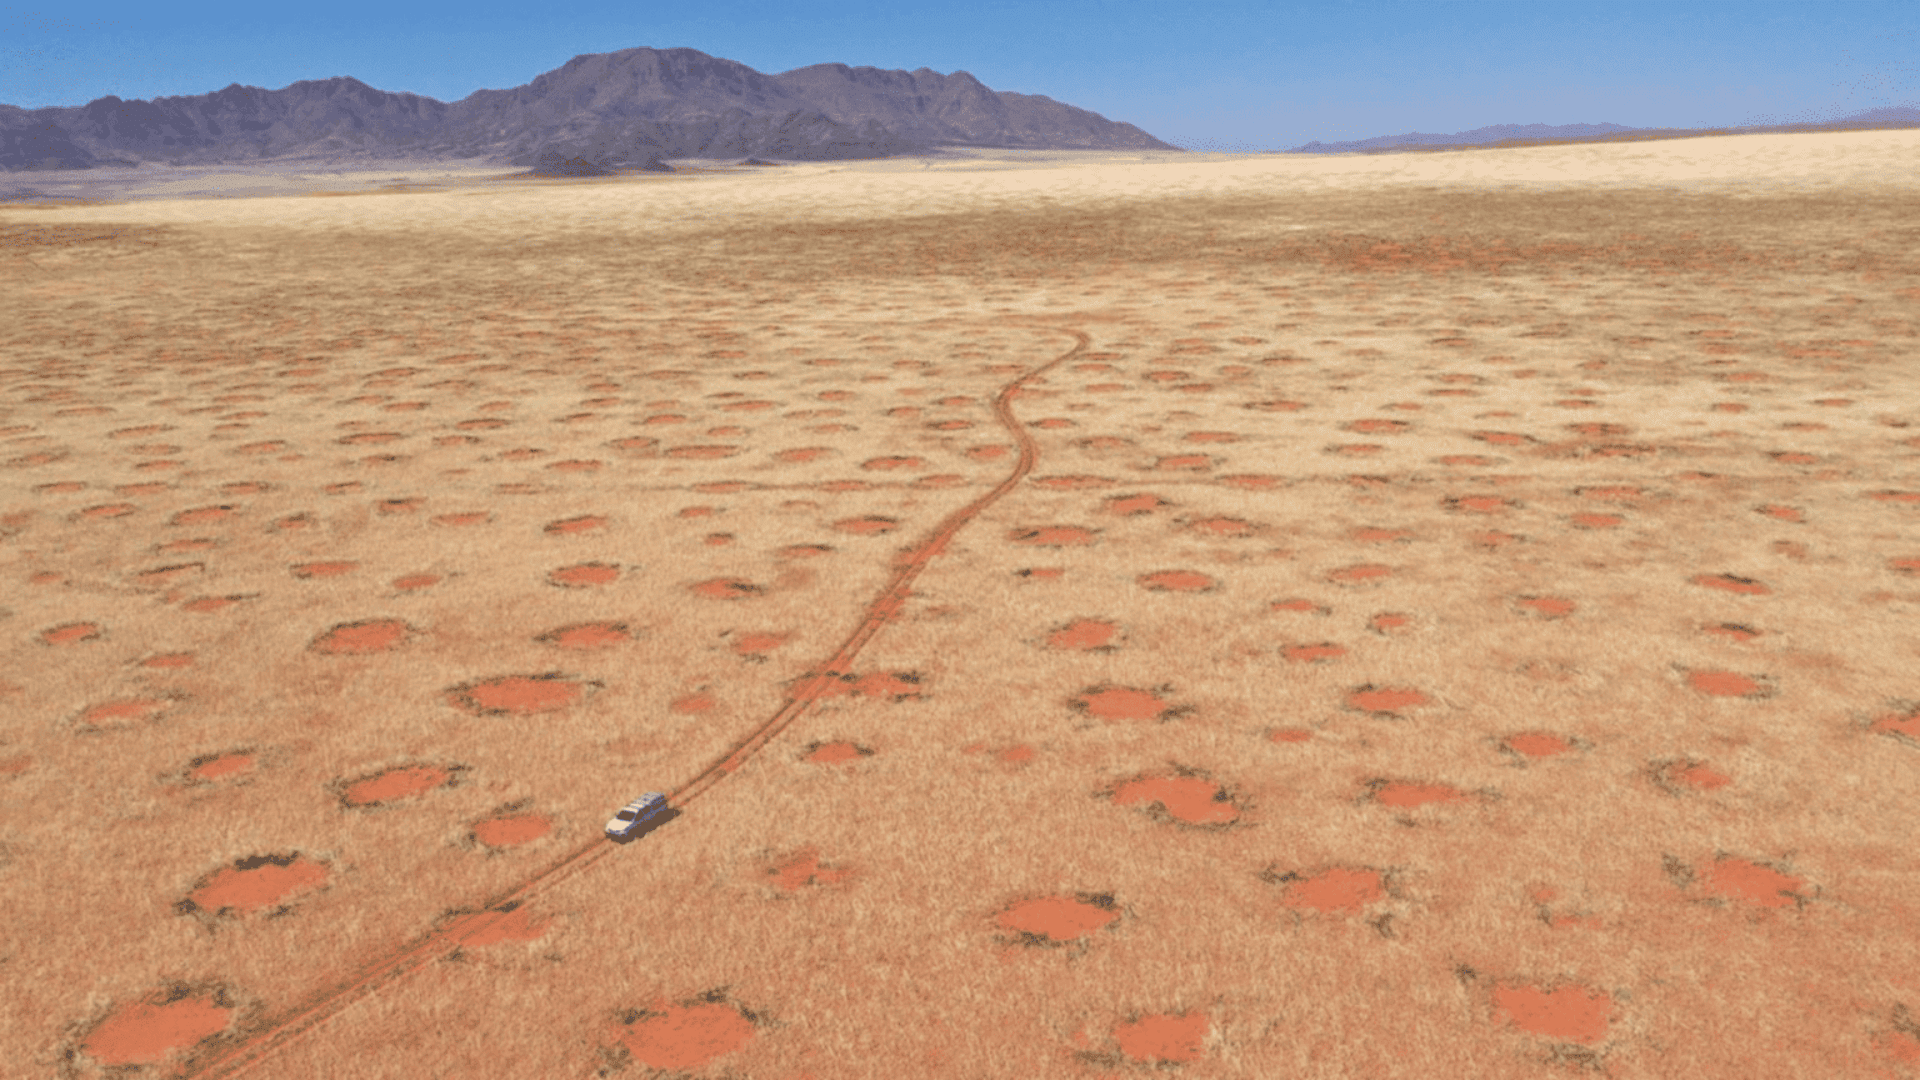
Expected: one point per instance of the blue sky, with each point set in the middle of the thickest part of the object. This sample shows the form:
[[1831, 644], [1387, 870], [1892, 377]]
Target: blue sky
[[1232, 75]]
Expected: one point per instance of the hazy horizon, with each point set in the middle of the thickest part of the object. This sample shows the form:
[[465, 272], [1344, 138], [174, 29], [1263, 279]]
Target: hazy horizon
[[1223, 76]]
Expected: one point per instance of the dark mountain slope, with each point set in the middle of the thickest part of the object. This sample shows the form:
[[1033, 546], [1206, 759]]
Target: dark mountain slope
[[630, 108]]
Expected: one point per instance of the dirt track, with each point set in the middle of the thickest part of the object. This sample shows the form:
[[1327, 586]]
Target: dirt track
[[462, 929], [1480, 607]]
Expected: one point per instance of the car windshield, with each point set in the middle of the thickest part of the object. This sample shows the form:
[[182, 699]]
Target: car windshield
[[625, 815]]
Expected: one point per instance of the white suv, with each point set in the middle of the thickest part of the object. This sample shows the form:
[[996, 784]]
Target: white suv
[[637, 815]]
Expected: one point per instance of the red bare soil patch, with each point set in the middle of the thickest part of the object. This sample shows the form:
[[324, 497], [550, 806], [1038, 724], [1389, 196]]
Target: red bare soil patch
[[149, 1032], [1360, 574], [759, 644], [834, 753], [1188, 799], [867, 526], [1904, 725], [161, 577], [1187, 581], [1750, 882], [1408, 794], [1385, 700], [1546, 607], [1106, 702], [1084, 635], [1052, 536], [1537, 744], [1317, 653], [894, 685], [521, 694], [589, 635], [1482, 504], [512, 830], [471, 517], [366, 636], [1570, 1013], [1156, 1039], [1389, 622], [119, 715], [392, 785], [1680, 777], [574, 526], [201, 515], [202, 605], [1298, 603], [1730, 583], [1336, 889], [216, 766], [1730, 684], [323, 569], [1223, 526], [253, 884], [581, 575], [684, 1036], [1131, 505], [725, 589], [1053, 920], [803, 868], [892, 463], [71, 633], [692, 704], [1183, 462]]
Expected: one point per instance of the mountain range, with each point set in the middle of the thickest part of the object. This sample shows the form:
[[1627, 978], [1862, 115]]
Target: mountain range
[[634, 109], [1519, 134], [596, 113]]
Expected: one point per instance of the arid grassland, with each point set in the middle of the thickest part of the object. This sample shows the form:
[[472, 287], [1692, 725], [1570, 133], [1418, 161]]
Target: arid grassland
[[1416, 616]]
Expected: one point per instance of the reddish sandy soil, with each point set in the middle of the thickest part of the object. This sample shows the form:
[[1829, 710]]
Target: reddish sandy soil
[[1414, 616]]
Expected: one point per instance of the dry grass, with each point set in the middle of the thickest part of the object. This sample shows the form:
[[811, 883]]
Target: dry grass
[[1548, 706]]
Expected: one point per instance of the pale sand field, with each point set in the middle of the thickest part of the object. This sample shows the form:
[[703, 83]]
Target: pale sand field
[[1414, 615]]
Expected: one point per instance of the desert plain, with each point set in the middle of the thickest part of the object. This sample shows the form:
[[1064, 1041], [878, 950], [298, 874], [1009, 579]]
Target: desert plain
[[1094, 616]]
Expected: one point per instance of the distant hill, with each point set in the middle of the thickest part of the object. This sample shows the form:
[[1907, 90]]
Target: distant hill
[[633, 109], [1476, 137], [597, 112], [1522, 135]]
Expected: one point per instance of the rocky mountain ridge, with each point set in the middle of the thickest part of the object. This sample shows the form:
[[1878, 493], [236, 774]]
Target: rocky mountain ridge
[[599, 111]]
